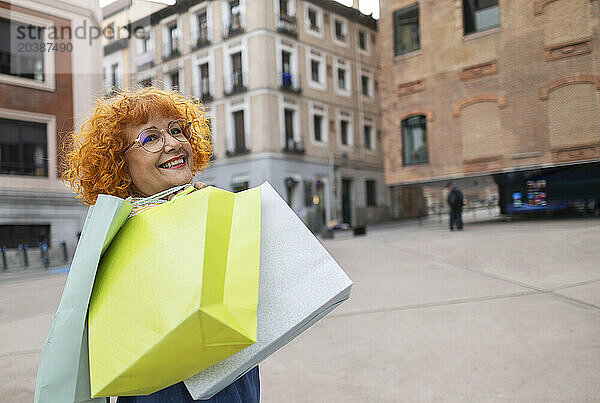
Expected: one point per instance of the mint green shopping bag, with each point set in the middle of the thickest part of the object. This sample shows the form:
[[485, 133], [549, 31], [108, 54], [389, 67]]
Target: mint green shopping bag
[[63, 374]]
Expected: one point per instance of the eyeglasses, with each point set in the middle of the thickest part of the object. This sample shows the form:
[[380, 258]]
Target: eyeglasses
[[153, 140]]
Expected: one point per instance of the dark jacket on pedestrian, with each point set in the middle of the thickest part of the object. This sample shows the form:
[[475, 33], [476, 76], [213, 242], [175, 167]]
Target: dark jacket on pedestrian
[[455, 199]]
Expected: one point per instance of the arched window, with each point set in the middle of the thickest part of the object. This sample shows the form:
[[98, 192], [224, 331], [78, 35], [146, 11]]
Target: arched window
[[414, 140]]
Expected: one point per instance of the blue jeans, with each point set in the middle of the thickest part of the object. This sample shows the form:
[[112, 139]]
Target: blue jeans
[[244, 390]]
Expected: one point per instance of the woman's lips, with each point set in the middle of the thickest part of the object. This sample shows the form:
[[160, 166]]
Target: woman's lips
[[174, 163]]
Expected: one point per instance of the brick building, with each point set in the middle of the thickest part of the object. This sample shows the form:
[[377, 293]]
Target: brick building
[[492, 93], [47, 77], [290, 86]]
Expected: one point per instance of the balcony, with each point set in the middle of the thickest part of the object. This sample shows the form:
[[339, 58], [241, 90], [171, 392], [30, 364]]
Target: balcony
[[290, 82], [206, 97], [286, 24], [234, 27], [293, 147], [170, 53], [200, 43], [234, 84], [144, 61], [237, 151]]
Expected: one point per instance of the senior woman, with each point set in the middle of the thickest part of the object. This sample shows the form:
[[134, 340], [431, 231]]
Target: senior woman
[[136, 144]]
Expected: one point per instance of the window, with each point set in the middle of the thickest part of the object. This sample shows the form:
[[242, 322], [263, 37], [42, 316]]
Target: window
[[318, 123], [286, 61], [362, 40], [23, 148], [365, 85], [345, 129], [414, 140], [318, 127], [289, 129], [239, 132], [340, 30], [313, 20], [204, 90], [371, 195], [236, 71], [12, 236], [286, 21], [368, 137], [316, 70], [479, 15], [235, 68], [202, 21], [13, 62], [406, 30], [344, 132], [235, 18], [286, 69], [284, 7], [145, 45], [145, 55], [312, 17], [288, 65], [342, 78], [172, 41], [174, 80]]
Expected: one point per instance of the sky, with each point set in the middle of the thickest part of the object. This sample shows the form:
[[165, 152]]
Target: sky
[[366, 6]]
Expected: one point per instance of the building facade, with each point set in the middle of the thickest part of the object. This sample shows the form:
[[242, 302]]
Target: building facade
[[492, 93], [47, 77], [291, 90]]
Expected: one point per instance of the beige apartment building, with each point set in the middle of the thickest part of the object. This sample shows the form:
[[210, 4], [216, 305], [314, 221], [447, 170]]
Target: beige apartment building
[[492, 94], [48, 74], [290, 85]]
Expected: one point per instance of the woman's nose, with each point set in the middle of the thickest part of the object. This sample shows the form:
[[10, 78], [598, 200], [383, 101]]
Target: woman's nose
[[171, 143]]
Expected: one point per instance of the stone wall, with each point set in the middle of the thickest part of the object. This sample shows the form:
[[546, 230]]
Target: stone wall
[[523, 94]]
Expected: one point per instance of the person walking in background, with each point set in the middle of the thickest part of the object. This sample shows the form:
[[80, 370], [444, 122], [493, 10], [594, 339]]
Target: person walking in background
[[455, 201]]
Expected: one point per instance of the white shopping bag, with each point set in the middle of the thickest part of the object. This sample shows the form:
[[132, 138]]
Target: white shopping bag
[[299, 284]]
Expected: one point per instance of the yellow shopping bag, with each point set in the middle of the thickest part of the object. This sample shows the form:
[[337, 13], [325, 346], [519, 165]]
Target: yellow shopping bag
[[175, 292]]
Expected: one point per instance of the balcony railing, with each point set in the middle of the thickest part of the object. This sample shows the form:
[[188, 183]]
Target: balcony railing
[[286, 24], [144, 60], [293, 146], [238, 151], [234, 84], [289, 82], [169, 53], [234, 27], [200, 43]]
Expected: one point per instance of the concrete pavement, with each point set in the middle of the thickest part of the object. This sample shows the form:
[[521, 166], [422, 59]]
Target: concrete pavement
[[503, 311]]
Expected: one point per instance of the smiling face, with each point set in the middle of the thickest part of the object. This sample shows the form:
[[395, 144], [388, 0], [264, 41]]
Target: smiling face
[[154, 172]]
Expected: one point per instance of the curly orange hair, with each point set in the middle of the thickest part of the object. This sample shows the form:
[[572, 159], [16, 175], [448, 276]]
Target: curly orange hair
[[95, 163]]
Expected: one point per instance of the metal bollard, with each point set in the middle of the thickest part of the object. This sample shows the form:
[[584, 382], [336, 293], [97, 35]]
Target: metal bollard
[[44, 254], [4, 263], [24, 248], [63, 244]]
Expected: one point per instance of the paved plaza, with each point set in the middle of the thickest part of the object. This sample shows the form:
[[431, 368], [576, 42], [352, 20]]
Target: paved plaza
[[500, 312]]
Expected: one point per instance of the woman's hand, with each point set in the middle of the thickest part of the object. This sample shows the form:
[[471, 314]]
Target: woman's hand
[[197, 185]]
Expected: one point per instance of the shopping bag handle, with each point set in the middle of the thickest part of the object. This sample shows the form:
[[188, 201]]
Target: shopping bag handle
[[159, 195]]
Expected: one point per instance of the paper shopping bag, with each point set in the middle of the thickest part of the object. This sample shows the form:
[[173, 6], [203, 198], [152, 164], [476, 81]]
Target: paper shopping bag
[[176, 292], [63, 373], [299, 284]]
